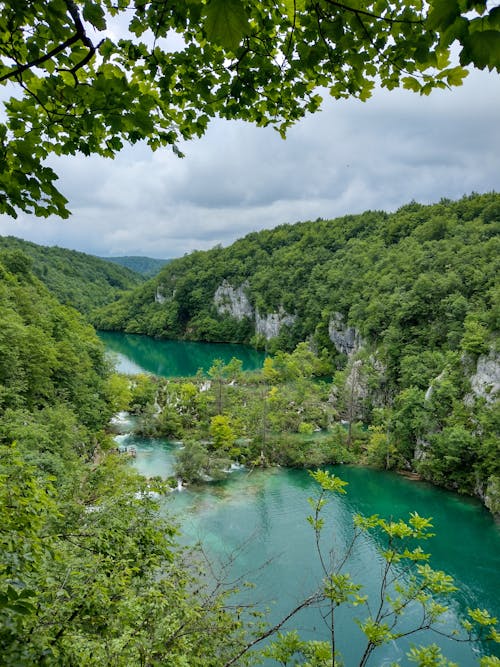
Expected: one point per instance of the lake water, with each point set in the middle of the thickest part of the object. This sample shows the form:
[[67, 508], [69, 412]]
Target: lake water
[[261, 516], [134, 354]]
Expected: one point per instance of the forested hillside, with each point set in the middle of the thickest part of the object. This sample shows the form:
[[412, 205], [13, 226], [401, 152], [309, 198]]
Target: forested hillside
[[89, 574], [411, 275], [146, 266], [405, 305], [75, 278]]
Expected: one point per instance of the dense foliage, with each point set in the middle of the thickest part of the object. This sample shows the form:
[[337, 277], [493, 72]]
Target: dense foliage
[[89, 571], [146, 266], [76, 279], [282, 415], [414, 275], [420, 286], [84, 81]]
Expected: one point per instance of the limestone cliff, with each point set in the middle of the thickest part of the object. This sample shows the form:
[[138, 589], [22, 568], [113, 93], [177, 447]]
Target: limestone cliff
[[269, 325], [485, 383], [159, 295], [347, 340], [234, 302]]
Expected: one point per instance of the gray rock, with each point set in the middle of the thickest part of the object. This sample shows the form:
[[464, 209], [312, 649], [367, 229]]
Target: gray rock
[[270, 325], [347, 340], [485, 383], [233, 301], [159, 295]]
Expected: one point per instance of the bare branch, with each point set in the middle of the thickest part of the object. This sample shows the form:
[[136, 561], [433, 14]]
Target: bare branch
[[312, 599]]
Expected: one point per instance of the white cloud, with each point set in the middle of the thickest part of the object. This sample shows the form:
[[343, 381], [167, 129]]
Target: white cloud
[[238, 178]]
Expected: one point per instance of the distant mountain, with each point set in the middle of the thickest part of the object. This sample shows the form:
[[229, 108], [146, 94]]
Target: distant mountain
[[146, 266], [75, 278]]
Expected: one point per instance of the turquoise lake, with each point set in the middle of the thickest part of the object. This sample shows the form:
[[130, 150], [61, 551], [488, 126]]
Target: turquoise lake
[[261, 517], [133, 354]]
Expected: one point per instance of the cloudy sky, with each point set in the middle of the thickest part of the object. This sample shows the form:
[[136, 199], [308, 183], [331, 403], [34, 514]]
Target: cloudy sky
[[350, 157]]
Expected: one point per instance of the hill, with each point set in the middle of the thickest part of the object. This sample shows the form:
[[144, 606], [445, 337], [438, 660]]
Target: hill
[[74, 515], [405, 305], [75, 278], [146, 266], [421, 270]]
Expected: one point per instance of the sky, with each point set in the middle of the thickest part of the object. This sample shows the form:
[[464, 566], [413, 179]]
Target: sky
[[350, 157]]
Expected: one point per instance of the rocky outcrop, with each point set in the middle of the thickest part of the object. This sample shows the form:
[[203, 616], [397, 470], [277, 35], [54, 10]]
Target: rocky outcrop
[[347, 340], [492, 495], [364, 386], [270, 325], [159, 295], [233, 301], [485, 383]]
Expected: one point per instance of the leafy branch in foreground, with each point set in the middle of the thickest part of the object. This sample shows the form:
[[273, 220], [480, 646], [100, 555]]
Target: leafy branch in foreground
[[407, 583], [77, 88]]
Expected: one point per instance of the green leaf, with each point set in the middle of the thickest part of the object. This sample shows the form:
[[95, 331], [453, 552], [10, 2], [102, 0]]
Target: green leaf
[[442, 14], [455, 76], [494, 17], [490, 661], [294, 6], [483, 49], [226, 23], [94, 14], [482, 616], [410, 83]]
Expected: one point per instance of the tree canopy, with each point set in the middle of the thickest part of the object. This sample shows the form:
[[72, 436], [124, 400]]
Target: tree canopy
[[74, 278], [419, 286], [87, 76]]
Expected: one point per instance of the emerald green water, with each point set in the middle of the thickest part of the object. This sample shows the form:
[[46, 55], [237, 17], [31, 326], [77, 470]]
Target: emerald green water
[[261, 516], [169, 358]]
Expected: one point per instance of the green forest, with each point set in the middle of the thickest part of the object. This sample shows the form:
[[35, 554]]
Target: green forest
[[401, 308], [381, 330], [75, 278], [146, 266], [91, 573]]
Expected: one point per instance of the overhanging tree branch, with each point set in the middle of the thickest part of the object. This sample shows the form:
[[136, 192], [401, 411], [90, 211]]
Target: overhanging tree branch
[[357, 10], [79, 36]]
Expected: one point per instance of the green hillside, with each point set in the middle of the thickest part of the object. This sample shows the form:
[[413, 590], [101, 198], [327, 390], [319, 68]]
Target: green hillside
[[417, 273], [86, 560], [90, 570], [146, 266], [75, 278], [405, 306]]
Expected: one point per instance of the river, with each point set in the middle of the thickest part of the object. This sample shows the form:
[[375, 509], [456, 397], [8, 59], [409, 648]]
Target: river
[[262, 516]]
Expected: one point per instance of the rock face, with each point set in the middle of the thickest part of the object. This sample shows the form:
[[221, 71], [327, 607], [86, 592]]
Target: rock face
[[485, 383], [159, 296], [346, 339], [269, 325], [492, 495], [234, 302]]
